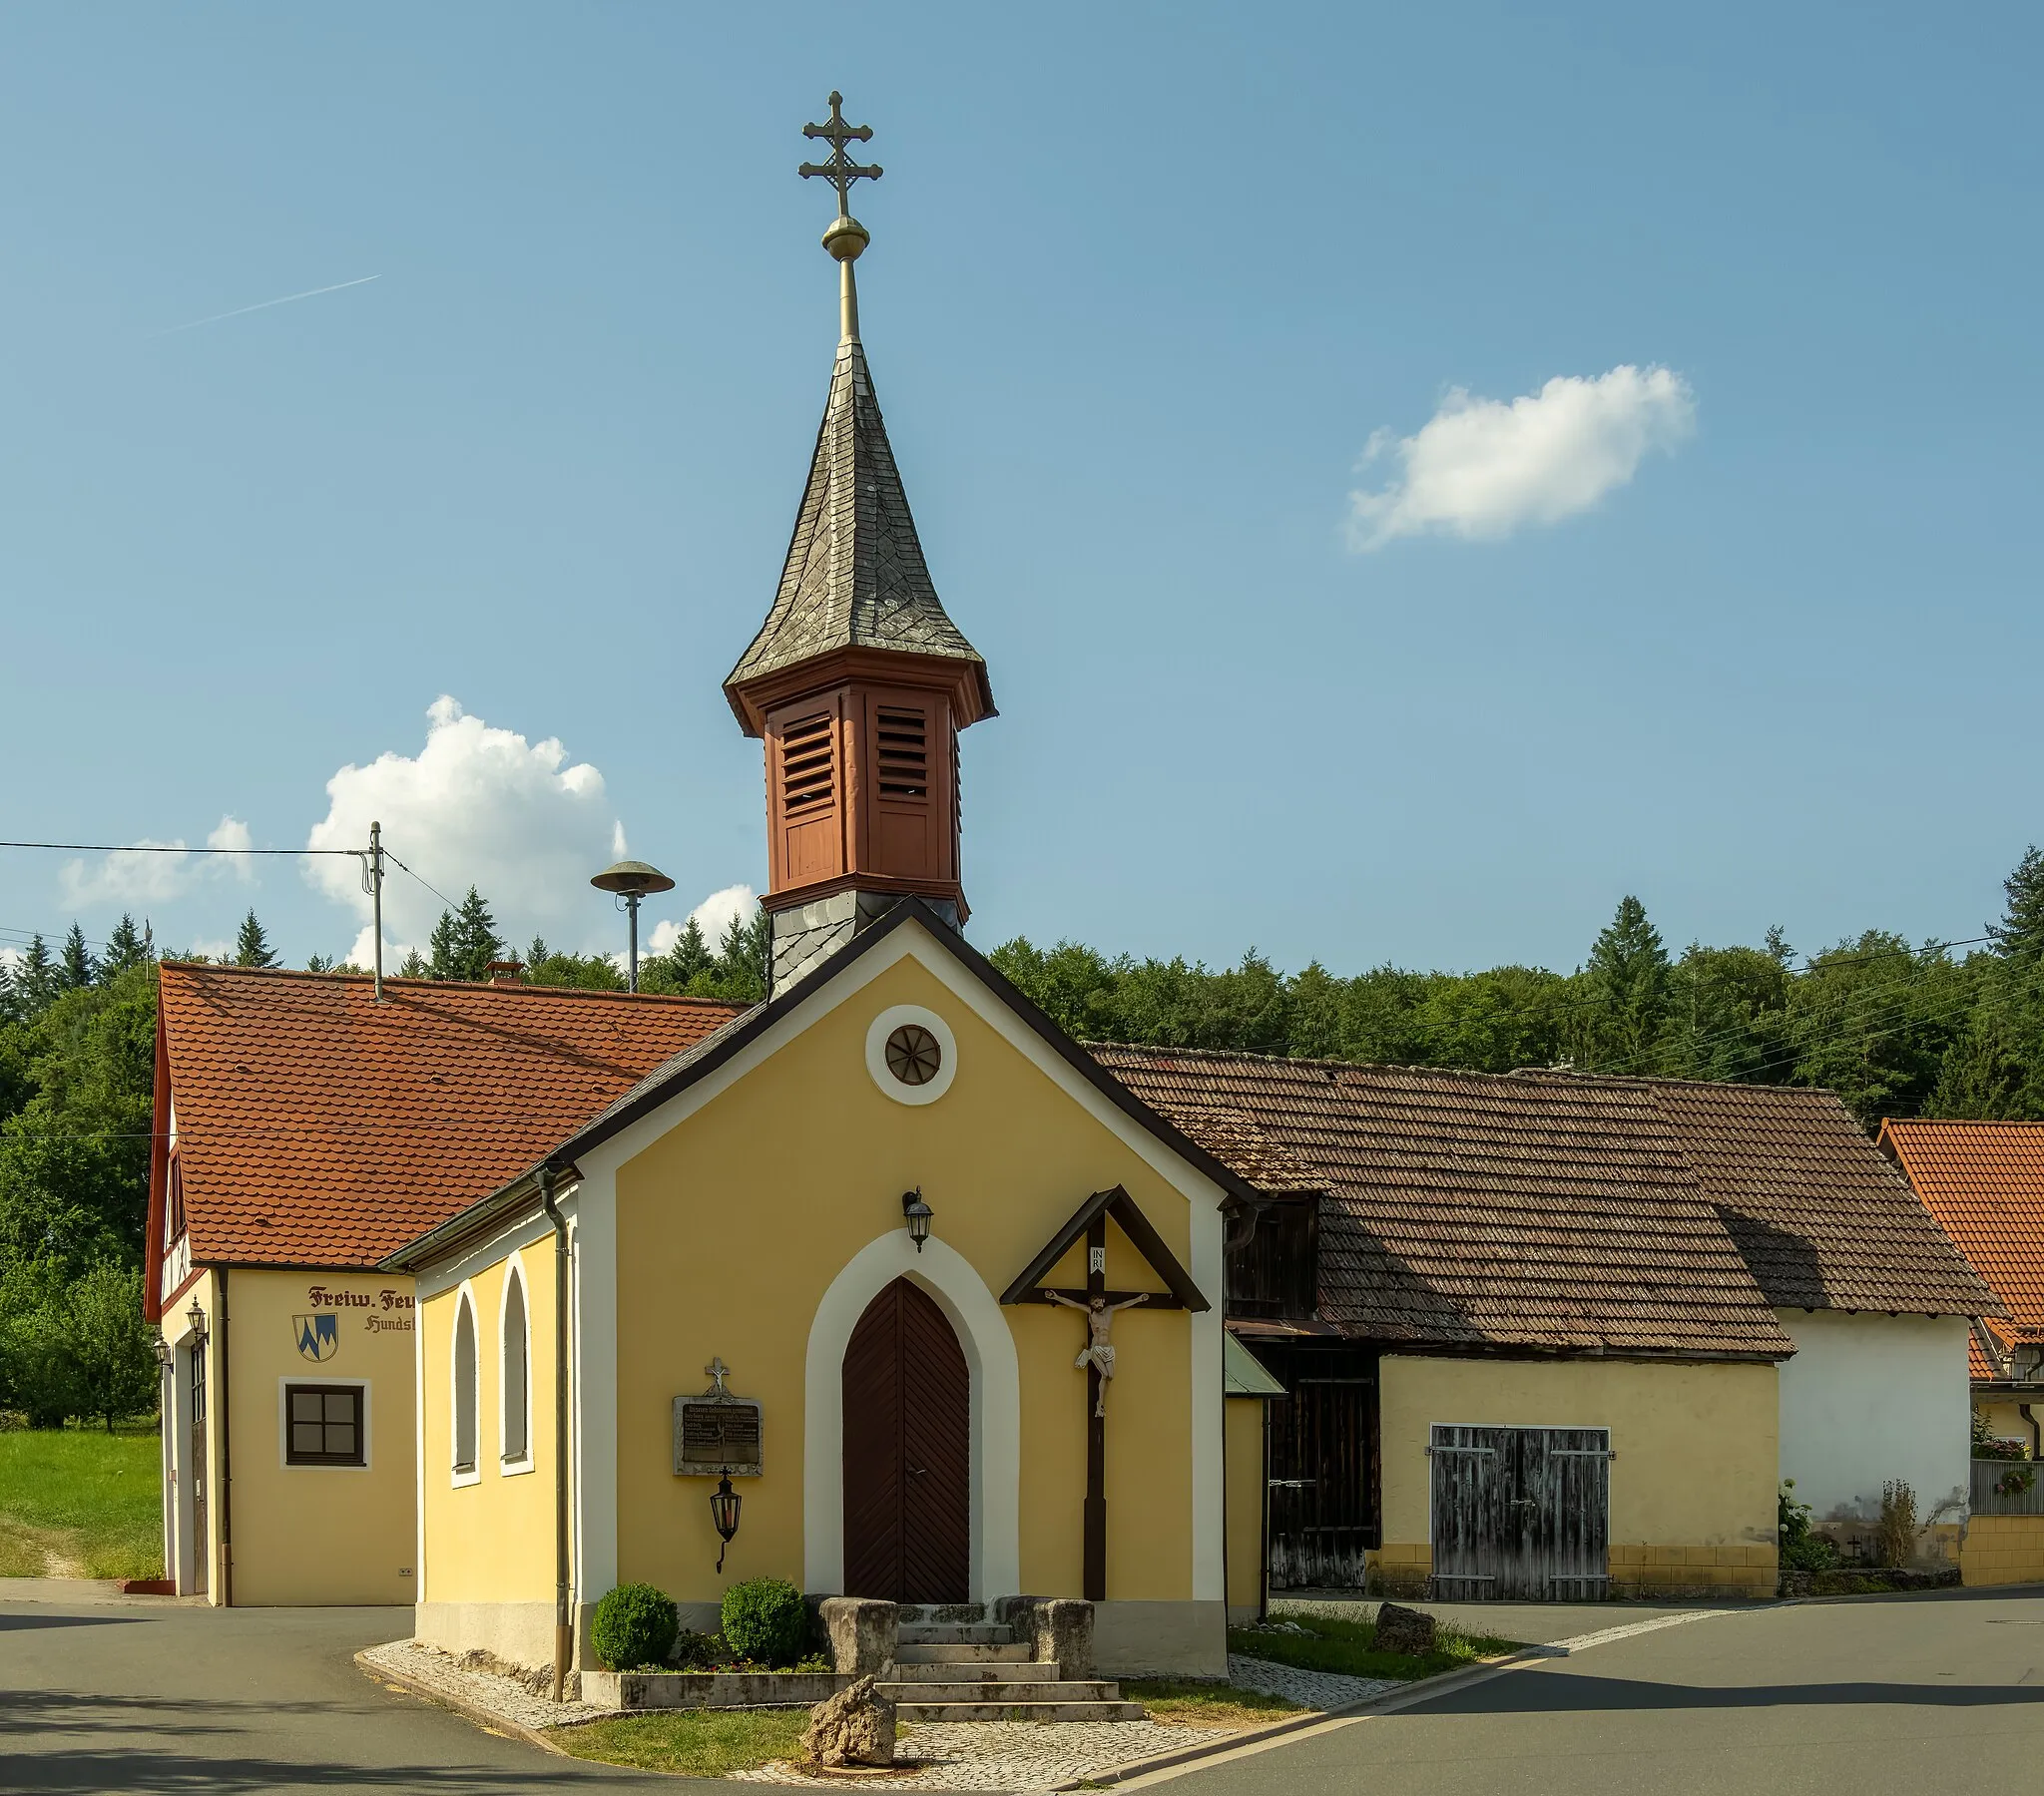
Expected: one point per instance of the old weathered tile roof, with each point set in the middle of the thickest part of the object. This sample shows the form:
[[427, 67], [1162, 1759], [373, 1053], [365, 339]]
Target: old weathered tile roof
[[1476, 1210], [1821, 1217], [319, 1127], [854, 577], [1984, 1182]]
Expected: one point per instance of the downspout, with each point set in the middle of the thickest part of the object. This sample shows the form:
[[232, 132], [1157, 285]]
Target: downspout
[[227, 1455], [564, 1627], [2036, 1433]]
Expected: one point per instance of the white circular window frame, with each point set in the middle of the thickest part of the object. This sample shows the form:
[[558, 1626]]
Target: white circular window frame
[[884, 1024]]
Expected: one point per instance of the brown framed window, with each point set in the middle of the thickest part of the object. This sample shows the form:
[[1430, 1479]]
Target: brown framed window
[[323, 1425]]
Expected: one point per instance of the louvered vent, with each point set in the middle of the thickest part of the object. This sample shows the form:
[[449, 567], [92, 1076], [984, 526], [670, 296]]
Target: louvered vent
[[806, 775], [904, 754]]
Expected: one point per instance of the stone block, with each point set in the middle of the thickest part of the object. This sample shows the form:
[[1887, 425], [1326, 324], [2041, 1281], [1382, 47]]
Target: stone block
[[856, 1727], [860, 1632], [1057, 1629], [1401, 1630]]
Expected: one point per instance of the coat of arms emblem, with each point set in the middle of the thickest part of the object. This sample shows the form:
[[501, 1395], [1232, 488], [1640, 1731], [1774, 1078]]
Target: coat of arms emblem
[[319, 1336]]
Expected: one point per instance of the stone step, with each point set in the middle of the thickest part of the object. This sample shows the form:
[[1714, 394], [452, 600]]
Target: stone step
[[973, 1653], [910, 1613], [986, 1671], [1020, 1711], [980, 1695], [955, 1634]]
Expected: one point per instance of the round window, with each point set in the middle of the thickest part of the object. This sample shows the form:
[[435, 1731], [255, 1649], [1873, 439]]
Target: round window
[[911, 1053], [914, 1055]]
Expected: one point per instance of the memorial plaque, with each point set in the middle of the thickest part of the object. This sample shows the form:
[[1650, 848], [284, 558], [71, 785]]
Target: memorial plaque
[[716, 1435]]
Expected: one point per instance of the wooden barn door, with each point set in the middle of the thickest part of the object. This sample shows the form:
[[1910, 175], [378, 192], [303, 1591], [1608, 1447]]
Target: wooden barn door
[[1521, 1514], [907, 1453], [1322, 1469]]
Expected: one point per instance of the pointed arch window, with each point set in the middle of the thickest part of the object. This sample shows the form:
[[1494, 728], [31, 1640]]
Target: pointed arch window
[[514, 1406], [465, 1393]]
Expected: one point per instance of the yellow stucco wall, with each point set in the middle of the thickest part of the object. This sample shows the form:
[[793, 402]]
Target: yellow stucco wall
[[176, 1328], [319, 1533], [490, 1540], [2003, 1550], [732, 1226], [1244, 1420], [2005, 1418], [1693, 1487]]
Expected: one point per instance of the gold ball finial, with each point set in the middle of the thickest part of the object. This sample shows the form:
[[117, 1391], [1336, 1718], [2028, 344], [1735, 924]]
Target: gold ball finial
[[846, 239]]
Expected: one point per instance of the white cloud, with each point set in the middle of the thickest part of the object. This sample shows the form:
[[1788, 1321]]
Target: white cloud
[[712, 916], [1481, 467], [157, 878], [477, 805]]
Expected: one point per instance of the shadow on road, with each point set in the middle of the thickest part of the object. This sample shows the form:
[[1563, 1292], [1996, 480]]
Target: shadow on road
[[111, 1771], [1563, 1694], [16, 1623]]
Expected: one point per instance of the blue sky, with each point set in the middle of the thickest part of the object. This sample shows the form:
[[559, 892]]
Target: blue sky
[[1145, 282]]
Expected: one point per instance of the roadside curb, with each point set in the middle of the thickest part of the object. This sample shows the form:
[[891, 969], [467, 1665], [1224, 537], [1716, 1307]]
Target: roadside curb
[[1424, 1689], [485, 1718]]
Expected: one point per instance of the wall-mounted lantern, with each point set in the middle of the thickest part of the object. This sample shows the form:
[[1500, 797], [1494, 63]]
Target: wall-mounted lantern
[[197, 1317], [162, 1349], [916, 1214], [724, 1503]]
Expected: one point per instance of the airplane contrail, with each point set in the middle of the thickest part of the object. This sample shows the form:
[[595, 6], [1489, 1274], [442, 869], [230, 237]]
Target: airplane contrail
[[314, 294]]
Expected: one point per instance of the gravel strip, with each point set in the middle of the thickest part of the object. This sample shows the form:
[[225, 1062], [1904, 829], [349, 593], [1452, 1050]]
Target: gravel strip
[[1316, 1690], [444, 1674], [1008, 1755]]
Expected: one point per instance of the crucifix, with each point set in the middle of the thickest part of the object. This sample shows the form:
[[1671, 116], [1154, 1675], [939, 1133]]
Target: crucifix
[[846, 237]]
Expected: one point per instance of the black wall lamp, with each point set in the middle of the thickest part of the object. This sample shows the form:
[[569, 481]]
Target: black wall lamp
[[916, 1214], [724, 1503], [197, 1317]]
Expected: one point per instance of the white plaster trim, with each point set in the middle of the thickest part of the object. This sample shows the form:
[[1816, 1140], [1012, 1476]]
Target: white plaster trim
[[894, 1016], [464, 1304], [996, 1437], [1208, 1433], [593, 1314], [511, 1238], [514, 1268], [418, 1449], [284, 1424]]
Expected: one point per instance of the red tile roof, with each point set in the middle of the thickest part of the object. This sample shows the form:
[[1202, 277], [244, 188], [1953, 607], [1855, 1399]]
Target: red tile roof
[[1984, 1182], [318, 1128], [1473, 1210]]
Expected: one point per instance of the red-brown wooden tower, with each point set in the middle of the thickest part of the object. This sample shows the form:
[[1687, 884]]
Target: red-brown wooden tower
[[857, 682]]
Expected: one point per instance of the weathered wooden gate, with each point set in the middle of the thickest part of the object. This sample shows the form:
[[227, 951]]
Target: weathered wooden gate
[[1521, 1514], [1322, 1466]]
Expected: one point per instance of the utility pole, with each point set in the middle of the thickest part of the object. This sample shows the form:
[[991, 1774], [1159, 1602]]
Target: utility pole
[[372, 869]]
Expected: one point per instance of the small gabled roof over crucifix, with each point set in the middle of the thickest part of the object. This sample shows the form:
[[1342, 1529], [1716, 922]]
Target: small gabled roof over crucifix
[[1029, 1287], [854, 577]]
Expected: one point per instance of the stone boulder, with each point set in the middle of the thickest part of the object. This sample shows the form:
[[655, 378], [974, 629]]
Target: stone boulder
[[856, 1727], [1402, 1629]]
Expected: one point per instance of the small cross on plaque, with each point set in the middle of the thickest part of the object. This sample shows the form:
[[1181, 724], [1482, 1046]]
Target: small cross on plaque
[[716, 1370]]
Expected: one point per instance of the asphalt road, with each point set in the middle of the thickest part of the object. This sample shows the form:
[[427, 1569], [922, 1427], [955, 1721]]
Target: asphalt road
[[1911, 1695], [150, 1695]]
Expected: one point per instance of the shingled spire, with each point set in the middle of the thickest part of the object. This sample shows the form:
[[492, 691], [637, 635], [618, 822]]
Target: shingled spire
[[859, 682]]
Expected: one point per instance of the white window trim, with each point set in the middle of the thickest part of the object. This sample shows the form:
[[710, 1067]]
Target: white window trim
[[284, 1424], [463, 1298], [884, 1024], [514, 1267]]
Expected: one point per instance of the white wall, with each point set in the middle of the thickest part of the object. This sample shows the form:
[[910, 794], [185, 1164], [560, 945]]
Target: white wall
[[1870, 1398]]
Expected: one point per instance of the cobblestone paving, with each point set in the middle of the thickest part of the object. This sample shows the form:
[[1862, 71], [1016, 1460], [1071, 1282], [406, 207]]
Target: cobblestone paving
[[1316, 1690], [1008, 1755], [442, 1674]]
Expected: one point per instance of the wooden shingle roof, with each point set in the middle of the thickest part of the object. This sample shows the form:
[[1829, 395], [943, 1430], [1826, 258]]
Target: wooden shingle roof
[[1475, 1210], [318, 1128]]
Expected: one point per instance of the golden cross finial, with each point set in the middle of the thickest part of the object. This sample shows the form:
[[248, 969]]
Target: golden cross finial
[[840, 170]]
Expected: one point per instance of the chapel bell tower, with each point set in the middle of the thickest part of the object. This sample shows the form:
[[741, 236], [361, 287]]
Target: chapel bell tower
[[857, 682]]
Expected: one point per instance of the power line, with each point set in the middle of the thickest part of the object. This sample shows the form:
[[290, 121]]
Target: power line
[[165, 848], [423, 880]]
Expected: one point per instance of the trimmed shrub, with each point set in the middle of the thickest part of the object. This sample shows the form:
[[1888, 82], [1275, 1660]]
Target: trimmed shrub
[[635, 1625], [766, 1621]]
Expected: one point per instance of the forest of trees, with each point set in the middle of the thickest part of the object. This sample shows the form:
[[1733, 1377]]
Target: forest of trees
[[1896, 1028]]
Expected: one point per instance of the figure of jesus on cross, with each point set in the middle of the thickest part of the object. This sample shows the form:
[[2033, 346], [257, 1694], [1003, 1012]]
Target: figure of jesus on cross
[[1099, 1350]]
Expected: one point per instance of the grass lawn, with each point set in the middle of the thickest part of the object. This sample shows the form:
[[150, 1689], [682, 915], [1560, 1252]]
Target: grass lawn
[[693, 1742], [1194, 1702], [1349, 1648], [81, 1503]]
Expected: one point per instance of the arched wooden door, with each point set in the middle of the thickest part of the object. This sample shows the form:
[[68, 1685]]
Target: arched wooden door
[[907, 1453]]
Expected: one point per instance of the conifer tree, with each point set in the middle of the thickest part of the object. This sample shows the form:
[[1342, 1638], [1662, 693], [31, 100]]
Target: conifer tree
[[689, 957], [2019, 936], [414, 966], [465, 940], [75, 969], [125, 948], [1626, 981], [37, 981], [252, 946]]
